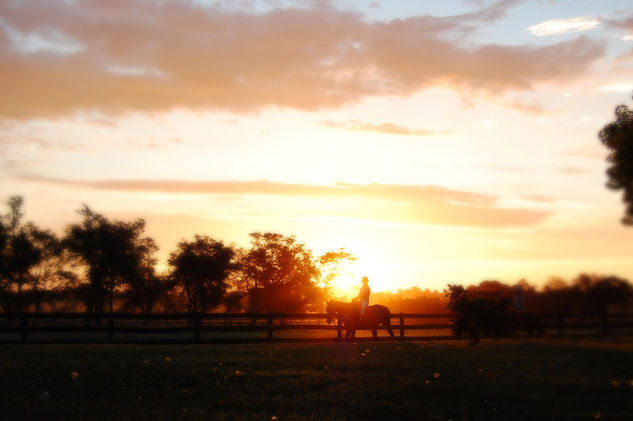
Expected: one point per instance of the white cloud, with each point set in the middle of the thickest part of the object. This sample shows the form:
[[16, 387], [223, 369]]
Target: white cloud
[[563, 26], [135, 71], [51, 41], [617, 87]]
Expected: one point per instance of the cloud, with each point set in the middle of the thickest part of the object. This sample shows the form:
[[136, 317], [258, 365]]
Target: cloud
[[617, 87], [47, 41], [156, 56], [586, 153], [134, 71], [508, 168], [626, 24], [539, 198], [526, 108], [387, 128], [491, 13], [384, 202], [564, 26], [573, 170]]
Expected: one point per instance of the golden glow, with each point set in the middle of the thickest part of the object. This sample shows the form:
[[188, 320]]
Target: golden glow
[[428, 174], [371, 263]]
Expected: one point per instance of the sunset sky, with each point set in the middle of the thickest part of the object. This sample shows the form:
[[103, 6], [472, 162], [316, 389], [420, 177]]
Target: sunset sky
[[450, 141]]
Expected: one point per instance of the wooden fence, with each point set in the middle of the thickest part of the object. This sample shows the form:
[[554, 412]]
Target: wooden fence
[[248, 327]]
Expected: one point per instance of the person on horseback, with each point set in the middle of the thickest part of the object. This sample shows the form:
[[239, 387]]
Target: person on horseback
[[363, 296]]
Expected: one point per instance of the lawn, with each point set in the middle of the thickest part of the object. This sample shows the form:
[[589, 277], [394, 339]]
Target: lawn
[[509, 380]]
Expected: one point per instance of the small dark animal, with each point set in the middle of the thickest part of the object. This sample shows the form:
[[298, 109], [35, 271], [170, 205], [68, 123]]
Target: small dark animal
[[348, 313]]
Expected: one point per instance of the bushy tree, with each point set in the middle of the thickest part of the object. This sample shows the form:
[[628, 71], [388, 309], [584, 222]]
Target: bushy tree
[[279, 274], [617, 136], [478, 312], [143, 291], [18, 254], [113, 253], [598, 294], [199, 270]]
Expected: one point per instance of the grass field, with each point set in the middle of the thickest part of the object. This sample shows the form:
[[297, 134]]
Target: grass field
[[522, 379]]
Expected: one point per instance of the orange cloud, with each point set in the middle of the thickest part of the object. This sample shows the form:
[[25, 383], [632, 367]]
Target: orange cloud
[[387, 128], [58, 57], [394, 203], [526, 108]]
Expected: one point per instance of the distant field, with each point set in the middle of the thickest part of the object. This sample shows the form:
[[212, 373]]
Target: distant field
[[506, 380]]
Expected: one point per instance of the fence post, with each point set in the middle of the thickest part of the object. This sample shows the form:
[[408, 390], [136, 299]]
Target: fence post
[[605, 324], [110, 327], [339, 330], [270, 327], [561, 325], [196, 327], [24, 324], [401, 325]]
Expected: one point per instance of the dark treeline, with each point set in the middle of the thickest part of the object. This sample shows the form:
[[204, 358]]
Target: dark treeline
[[585, 294], [103, 265], [588, 294]]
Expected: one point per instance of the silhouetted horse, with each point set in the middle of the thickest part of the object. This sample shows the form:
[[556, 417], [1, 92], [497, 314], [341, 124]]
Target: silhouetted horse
[[348, 313]]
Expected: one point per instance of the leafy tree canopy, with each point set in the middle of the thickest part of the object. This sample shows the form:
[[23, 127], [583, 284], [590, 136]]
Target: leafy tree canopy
[[200, 269], [280, 274], [114, 252], [617, 136]]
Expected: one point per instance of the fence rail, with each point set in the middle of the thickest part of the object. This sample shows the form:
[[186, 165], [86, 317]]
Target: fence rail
[[257, 327]]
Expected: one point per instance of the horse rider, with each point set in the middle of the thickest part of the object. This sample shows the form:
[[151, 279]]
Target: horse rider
[[363, 296]]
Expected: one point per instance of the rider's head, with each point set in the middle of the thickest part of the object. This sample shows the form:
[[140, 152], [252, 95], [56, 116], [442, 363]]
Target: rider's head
[[365, 281]]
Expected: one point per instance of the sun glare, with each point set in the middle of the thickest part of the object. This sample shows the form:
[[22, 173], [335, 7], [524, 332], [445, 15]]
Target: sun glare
[[348, 282]]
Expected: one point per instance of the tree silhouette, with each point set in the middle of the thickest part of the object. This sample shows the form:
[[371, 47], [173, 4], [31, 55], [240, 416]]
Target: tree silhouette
[[16, 213], [597, 294], [19, 254], [55, 273], [279, 274], [144, 290], [113, 252], [617, 136], [199, 271]]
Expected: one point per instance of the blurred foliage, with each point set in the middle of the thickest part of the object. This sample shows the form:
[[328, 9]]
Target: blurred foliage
[[617, 136]]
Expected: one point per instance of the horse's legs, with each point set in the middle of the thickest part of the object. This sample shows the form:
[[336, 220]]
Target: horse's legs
[[387, 325]]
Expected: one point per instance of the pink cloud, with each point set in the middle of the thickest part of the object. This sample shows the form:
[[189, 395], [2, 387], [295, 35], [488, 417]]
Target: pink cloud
[[172, 54]]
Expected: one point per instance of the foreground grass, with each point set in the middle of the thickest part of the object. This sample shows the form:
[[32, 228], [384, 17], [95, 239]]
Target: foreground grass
[[391, 381]]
